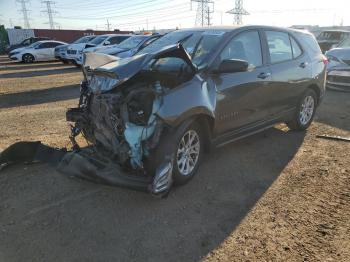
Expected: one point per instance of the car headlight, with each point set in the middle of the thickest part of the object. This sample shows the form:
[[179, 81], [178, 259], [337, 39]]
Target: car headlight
[[99, 84], [14, 53]]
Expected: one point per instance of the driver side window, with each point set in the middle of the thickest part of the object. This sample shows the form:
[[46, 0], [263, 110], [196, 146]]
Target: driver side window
[[245, 46]]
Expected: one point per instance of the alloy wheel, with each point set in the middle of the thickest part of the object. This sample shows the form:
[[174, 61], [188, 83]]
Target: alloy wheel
[[188, 152], [307, 110]]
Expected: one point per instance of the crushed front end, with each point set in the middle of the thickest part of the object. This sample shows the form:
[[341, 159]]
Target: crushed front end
[[117, 115]]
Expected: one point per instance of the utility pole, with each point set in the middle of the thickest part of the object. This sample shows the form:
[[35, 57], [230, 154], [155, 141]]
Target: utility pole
[[49, 12], [24, 12], [108, 25], [203, 12], [239, 12]]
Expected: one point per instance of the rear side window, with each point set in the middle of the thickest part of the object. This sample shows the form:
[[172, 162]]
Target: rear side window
[[295, 48], [117, 39], [246, 46], [309, 42], [279, 46]]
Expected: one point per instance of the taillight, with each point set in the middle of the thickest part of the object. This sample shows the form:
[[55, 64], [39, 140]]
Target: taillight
[[325, 60]]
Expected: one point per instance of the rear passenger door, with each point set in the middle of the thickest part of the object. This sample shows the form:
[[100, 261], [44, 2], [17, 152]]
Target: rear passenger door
[[291, 71]]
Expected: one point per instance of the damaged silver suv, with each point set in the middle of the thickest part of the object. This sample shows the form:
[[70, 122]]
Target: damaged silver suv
[[149, 118]]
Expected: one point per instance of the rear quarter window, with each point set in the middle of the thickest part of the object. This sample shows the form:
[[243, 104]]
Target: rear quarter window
[[309, 43]]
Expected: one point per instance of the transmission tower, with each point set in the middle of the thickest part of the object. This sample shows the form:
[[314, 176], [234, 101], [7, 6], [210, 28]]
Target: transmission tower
[[50, 12], [204, 10], [24, 12], [239, 12], [108, 25]]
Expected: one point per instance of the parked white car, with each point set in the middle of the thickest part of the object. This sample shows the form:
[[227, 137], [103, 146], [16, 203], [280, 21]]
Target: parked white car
[[75, 52], [38, 51]]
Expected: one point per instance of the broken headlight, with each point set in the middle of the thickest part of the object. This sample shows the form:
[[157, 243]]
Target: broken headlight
[[99, 84]]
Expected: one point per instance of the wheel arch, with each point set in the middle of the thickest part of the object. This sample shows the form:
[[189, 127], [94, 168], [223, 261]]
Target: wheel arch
[[317, 90], [28, 54]]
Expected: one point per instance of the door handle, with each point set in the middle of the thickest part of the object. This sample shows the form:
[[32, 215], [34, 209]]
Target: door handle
[[264, 75], [303, 64]]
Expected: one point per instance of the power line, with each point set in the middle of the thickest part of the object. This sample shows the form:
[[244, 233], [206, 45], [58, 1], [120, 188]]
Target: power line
[[203, 12], [24, 12], [98, 16], [239, 12]]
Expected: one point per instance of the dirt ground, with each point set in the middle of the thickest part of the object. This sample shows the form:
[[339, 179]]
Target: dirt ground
[[275, 196]]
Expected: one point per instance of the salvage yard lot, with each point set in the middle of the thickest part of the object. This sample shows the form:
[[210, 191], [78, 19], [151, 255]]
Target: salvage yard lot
[[275, 196]]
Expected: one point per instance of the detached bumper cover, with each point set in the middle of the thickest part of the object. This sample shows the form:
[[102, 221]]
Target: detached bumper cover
[[85, 165]]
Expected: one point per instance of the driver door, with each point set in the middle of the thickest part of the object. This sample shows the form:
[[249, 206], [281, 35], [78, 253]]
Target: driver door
[[242, 101], [45, 52]]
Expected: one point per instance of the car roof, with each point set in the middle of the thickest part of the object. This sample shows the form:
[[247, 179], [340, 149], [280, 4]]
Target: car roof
[[50, 41], [336, 31], [109, 35], [247, 27]]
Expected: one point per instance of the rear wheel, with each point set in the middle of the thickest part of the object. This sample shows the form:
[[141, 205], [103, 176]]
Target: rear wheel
[[305, 111], [28, 58]]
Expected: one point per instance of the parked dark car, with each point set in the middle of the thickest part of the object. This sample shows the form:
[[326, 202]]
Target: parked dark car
[[130, 46], [331, 38], [26, 42], [149, 118]]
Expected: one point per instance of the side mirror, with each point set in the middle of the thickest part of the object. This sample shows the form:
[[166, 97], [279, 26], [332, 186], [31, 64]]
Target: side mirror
[[232, 66], [107, 42]]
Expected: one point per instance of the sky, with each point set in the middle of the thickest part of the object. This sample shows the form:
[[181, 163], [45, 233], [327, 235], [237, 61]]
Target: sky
[[168, 14]]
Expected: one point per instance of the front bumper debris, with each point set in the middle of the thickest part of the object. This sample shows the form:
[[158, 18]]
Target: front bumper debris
[[87, 165]]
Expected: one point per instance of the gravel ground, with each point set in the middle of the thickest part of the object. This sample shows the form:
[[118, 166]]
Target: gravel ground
[[275, 196]]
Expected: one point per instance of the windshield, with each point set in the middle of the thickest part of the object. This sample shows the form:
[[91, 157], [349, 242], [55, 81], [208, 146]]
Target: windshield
[[131, 42], [98, 40], [83, 40], [345, 43], [197, 43]]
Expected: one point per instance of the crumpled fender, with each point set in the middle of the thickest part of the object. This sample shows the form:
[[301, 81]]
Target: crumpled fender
[[190, 99]]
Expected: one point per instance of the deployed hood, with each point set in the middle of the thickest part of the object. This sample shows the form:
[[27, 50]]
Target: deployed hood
[[121, 70]]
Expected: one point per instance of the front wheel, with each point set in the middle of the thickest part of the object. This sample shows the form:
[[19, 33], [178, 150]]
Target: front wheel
[[305, 111], [28, 58]]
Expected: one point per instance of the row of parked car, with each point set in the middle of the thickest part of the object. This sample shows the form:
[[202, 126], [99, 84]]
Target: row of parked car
[[120, 45], [334, 43]]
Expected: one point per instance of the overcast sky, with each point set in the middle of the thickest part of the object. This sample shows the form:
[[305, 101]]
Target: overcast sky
[[143, 14]]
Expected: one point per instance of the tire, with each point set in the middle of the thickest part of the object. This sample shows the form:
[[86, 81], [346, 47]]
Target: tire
[[27, 58], [187, 156], [305, 112], [169, 147]]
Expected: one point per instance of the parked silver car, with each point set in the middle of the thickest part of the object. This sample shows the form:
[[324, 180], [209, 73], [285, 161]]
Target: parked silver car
[[338, 71]]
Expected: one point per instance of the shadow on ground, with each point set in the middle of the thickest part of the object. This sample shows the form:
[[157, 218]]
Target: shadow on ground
[[34, 66], [41, 72], [40, 96], [334, 110], [47, 217]]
